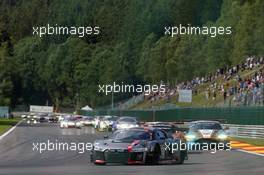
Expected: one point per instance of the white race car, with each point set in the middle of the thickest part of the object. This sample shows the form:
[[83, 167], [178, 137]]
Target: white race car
[[96, 121], [70, 123], [87, 121], [126, 123]]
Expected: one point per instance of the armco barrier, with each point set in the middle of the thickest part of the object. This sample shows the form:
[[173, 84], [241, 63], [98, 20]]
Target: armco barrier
[[231, 115], [246, 131]]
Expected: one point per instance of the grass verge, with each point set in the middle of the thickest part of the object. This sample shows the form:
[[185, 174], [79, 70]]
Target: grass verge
[[4, 128], [6, 124]]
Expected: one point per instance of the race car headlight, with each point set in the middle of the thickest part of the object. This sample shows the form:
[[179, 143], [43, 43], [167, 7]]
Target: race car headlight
[[123, 126], [110, 123], [222, 136], [133, 126], [190, 137], [96, 147], [103, 125]]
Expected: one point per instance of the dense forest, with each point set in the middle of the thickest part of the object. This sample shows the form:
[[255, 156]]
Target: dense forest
[[131, 48]]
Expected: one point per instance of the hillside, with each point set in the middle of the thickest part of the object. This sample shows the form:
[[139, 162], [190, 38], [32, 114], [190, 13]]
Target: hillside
[[200, 98], [65, 71]]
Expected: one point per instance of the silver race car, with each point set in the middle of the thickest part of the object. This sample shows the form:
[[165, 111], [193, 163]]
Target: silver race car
[[206, 132], [70, 122], [125, 123]]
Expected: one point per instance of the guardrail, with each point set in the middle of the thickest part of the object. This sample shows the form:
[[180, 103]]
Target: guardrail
[[247, 131]]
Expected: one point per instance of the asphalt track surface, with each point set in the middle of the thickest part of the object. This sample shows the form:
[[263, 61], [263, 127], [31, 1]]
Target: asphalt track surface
[[17, 157]]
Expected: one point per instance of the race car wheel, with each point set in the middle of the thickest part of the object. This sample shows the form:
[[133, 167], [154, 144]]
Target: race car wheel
[[226, 147], [153, 157], [182, 157]]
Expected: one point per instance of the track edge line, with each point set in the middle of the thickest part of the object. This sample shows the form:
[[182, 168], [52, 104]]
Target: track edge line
[[241, 150], [9, 131]]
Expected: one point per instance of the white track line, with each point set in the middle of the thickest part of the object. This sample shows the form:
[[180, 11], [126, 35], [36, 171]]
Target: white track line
[[9, 131], [250, 152]]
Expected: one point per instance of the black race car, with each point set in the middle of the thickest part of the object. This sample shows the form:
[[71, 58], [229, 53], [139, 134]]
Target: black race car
[[137, 146]]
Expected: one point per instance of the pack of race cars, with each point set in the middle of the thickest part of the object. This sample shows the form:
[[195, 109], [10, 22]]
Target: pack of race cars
[[33, 118], [132, 142], [157, 142]]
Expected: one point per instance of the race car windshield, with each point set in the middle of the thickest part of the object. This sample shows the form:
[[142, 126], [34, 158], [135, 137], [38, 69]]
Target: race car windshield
[[129, 136], [169, 131], [199, 126], [112, 119], [127, 120], [87, 118], [72, 119]]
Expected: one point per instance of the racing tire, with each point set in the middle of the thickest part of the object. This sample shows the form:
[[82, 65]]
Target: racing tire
[[182, 157], [153, 157], [227, 147]]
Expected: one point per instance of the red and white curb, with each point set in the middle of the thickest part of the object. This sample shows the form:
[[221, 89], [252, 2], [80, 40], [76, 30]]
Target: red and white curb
[[247, 148]]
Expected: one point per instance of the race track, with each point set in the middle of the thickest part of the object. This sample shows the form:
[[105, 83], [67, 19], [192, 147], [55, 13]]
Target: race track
[[17, 157]]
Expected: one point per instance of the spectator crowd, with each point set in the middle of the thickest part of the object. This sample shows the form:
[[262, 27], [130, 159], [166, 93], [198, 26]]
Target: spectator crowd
[[227, 83]]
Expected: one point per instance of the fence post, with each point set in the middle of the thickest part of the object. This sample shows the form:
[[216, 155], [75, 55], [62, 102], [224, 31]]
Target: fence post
[[153, 115]]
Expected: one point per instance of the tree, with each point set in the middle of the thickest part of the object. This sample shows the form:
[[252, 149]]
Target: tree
[[7, 70]]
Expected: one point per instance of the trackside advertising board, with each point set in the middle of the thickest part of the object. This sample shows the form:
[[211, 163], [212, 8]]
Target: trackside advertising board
[[35, 108], [185, 96], [4, 111]]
